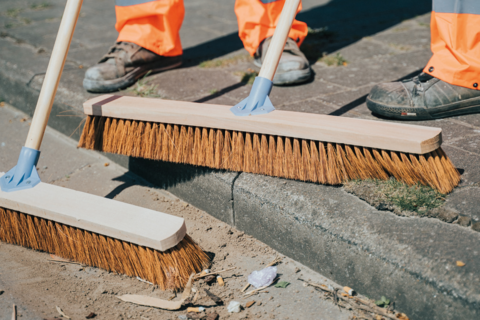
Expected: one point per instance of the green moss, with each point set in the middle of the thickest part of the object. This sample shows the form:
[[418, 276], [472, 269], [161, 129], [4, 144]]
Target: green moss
[[40, 6], [14, 12], [334, 60], [247, 76], [416, 198], [224, 62], [143, 89]]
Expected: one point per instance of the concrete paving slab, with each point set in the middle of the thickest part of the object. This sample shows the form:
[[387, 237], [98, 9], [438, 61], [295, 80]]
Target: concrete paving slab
[[466, 162], [400, 38], [350, 103], [192, 83], [472, 119], [382, 69], [465, 201], [365, 49], [469, 143]]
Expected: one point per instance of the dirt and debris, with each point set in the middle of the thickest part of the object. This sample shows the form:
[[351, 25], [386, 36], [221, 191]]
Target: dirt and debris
[[365, 308], [83, 290], [214, 298]]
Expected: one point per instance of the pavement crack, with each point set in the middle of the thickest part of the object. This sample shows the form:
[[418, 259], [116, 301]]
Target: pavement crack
[[233, 198]]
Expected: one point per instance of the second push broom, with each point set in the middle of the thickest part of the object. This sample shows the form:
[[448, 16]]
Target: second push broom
[[85, 228], [254, 137]]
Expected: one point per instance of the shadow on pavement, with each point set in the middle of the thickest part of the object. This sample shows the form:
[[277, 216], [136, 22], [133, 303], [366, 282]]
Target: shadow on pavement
[[346, 20], [357, 102]]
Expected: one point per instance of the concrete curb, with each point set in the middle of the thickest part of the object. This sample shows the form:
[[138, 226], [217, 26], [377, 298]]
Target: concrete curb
[[410, 260]]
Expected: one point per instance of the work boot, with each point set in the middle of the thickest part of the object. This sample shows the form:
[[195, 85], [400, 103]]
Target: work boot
[[422, 98], [293, 66], [123, 65]]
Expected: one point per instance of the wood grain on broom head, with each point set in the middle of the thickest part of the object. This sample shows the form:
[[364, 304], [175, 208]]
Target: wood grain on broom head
[[169, 269], [299, 159]]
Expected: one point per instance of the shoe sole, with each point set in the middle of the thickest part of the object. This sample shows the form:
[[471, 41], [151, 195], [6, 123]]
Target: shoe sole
[[289, 77], [125, 81], [405, 113]]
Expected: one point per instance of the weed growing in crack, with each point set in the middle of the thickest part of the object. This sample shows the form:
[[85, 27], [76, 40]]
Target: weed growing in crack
[[40, 6], [247, 77], [143, 89], [224, 62], [336, 60], [392, 193], [14, 12]]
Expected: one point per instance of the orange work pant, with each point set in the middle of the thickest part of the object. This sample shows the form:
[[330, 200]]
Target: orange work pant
[[155, 24], [455, 29]]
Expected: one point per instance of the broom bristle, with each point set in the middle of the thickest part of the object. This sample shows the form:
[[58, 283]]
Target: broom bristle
[[169, 269], [299, 159]]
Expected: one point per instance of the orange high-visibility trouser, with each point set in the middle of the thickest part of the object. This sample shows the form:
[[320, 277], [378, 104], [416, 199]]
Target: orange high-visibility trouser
[[455, 28], [155, 24]]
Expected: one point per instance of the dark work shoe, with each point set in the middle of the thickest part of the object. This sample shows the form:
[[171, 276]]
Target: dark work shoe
[[293, 66], [123, 65], [422, 98]]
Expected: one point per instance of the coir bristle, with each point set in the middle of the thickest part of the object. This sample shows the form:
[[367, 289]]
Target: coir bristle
[[299, 159], [169, 269]]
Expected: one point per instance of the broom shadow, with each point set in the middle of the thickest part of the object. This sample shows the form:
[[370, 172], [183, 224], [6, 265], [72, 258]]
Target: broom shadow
[[166, 175]]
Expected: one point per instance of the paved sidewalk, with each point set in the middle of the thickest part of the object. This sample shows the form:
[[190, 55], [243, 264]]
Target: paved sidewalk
[[410, 259]]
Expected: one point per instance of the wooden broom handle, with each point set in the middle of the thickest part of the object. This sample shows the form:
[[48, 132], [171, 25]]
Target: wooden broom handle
[[275, 49], [54, 72]]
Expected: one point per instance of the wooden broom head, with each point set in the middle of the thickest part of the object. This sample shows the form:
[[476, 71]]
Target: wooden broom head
[[101, 232], [169, 269], [299, 159]]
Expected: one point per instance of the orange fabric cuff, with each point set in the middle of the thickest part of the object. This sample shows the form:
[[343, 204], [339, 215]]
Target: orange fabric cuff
[[456, 49]]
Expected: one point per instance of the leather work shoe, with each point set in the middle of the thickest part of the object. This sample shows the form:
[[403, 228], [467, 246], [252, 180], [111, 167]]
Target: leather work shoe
[[293, 66], [123, 65], [422, 98]]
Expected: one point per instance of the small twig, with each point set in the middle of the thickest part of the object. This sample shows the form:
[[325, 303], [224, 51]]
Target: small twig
[[252, 292], [274, 262], [245, 288], [255, 291], [62, 313], [361, 303], [14, 313], [215, 272]]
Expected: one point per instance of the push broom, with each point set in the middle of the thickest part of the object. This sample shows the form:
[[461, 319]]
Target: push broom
[[82, 227], [254, 137]]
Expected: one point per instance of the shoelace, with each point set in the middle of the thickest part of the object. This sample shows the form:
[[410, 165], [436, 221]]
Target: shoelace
[[118, 47]]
